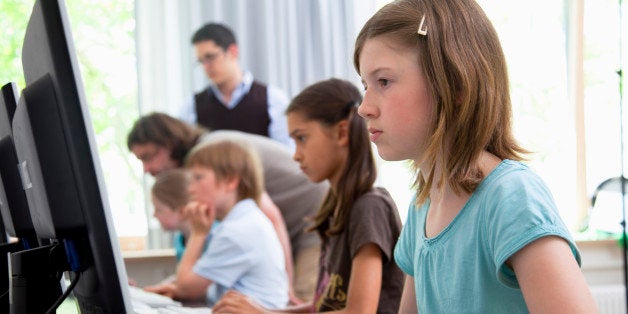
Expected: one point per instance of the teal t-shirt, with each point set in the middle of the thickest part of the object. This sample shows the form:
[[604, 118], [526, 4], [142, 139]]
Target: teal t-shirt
[[462, 269]]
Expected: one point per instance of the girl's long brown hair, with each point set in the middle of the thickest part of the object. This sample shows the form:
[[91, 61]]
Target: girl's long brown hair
[[329, 102]]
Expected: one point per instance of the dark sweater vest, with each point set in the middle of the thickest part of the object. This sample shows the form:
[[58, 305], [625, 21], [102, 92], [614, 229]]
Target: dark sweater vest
[[249, 115]]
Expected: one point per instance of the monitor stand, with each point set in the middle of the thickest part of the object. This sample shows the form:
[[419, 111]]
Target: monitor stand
[[5, 249], [35, 276]]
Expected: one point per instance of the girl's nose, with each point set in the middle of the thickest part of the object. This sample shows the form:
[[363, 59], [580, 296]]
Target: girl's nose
[[366, 109]]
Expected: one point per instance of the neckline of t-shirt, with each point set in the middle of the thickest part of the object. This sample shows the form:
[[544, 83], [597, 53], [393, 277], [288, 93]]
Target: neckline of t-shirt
[[493, 175]]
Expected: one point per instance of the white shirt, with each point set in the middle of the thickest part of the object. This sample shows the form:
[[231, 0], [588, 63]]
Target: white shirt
[[244, 254]]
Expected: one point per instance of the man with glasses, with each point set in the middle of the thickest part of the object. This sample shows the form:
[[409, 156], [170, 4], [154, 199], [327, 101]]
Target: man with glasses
[[234, 100]]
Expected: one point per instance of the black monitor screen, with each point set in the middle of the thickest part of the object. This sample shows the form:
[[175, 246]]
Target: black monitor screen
[[59, 164], [16, 220], [13, 204]]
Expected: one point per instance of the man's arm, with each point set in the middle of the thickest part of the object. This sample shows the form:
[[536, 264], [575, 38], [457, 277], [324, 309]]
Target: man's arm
[[187, 111], [278, 128]]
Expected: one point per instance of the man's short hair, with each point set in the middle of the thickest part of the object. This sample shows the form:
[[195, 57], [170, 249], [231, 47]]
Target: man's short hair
[[216, 32]]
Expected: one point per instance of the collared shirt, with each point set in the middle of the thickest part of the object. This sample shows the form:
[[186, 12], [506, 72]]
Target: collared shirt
[[277, 104], [244, 254]]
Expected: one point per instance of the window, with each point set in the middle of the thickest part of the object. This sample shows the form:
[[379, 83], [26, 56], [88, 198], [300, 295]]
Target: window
[[104, 39], [604, 51], [534, 38]]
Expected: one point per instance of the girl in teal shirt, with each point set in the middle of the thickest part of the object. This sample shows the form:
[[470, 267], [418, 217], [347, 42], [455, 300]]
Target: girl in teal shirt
[[483, 234]]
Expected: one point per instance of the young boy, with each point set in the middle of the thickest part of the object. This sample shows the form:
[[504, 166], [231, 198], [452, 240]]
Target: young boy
[[244, 253]]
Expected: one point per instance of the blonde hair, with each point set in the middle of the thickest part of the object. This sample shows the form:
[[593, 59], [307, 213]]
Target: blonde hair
[[171, 188], [228, 160], [466, 74]]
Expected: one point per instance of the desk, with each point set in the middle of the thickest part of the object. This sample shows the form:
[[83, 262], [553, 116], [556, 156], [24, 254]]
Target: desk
[[150, 266]]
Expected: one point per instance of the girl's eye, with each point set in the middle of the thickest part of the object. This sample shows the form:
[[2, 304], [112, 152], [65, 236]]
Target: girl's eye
[[298, 137], [383, 82]]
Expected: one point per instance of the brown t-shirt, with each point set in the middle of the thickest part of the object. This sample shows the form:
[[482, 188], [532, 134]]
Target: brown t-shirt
[[373, 219]]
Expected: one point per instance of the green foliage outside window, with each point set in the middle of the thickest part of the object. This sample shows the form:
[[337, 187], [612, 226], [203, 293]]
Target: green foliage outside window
[[104, 40]]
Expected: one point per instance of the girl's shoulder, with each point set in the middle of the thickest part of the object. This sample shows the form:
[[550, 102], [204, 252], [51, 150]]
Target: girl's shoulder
[[377, 202], [512, 187], [376, 194], [512, 175]]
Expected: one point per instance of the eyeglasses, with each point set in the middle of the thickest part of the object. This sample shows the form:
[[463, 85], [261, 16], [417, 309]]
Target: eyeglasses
[[210, 57]]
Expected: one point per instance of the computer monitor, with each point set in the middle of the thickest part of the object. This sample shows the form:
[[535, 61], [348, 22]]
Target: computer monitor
[[13, 204], [16, 225], [60, 168]]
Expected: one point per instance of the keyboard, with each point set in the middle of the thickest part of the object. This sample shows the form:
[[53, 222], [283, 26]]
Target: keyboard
[[176, 310], [150, 299], [145, 302]]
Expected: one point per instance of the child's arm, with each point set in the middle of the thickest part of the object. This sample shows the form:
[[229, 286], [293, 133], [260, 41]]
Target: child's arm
[[408, 297], [550, 278], [273, 213], [188, 285], [237, 303], [366, 281]]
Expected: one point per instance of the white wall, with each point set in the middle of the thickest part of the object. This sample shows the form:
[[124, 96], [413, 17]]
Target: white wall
[[602, 262]]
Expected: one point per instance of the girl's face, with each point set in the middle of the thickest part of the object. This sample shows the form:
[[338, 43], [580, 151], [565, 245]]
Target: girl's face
[[206, 189], [167, 216], [320, 151], [397, 106]]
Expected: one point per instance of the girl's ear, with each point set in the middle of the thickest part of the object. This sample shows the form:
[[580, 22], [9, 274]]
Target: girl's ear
[[342, 133]]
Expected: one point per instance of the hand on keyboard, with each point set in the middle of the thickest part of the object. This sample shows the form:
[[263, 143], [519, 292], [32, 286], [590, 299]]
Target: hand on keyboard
[[152, 300], [145, 302]]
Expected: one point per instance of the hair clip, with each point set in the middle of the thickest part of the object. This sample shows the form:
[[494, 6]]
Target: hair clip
[[422, 30]]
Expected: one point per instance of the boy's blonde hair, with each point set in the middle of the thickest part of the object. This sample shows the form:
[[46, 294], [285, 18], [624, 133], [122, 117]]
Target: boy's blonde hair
[[466, 74], [228, 160]]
